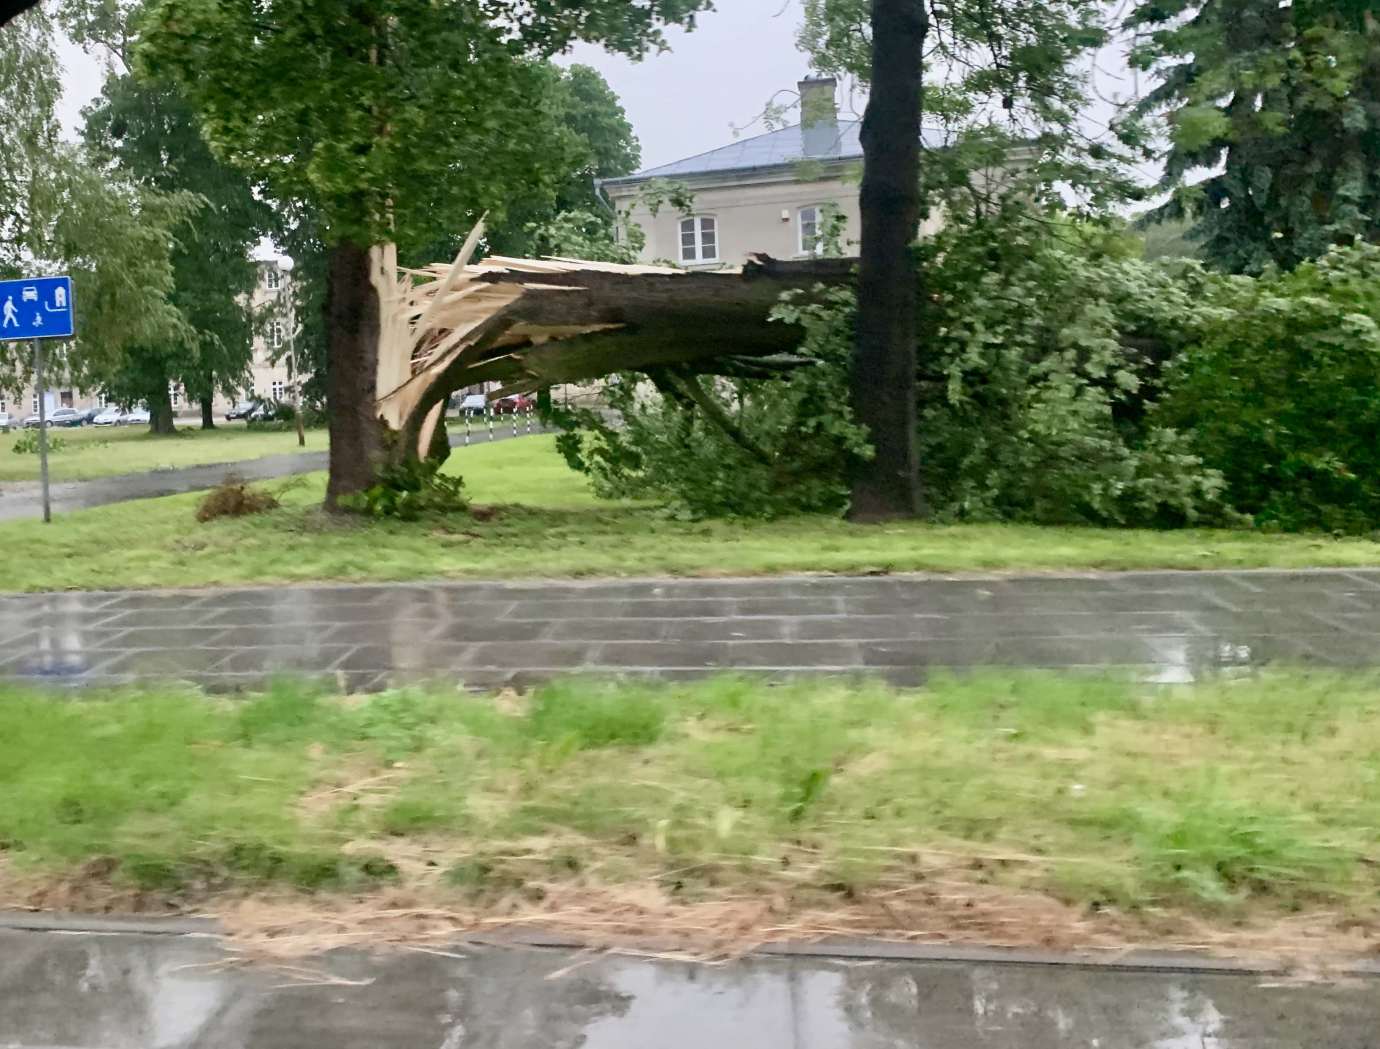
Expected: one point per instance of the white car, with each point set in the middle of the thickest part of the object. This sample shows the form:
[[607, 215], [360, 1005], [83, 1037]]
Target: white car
[[5, 423], [136, 416], [109, 417], [474, 404]]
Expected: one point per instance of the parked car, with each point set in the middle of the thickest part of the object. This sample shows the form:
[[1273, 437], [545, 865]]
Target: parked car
[[513, 405], [108, 417], [136, 416], [255, 411], [5, 423], [57, 417], [474, 404]]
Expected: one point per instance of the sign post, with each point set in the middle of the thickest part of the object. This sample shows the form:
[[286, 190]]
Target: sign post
[[37, 308]]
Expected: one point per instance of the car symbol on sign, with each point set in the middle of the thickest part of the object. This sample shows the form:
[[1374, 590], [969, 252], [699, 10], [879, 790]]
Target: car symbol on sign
[[29, 294]]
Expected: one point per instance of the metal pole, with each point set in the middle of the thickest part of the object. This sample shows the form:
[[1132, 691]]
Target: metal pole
[[42, 429]]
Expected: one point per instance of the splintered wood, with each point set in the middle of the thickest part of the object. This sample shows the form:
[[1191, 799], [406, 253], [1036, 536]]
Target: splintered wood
[[532, 323]]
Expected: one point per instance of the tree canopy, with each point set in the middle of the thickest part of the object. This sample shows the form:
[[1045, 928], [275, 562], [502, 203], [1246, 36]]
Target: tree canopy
[[1280, 103]]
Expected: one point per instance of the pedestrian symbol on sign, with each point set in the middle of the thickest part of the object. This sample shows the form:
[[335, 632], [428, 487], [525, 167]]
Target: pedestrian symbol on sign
[[11, 314]]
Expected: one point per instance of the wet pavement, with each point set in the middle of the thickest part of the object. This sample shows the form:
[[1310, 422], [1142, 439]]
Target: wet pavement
[[1171, 626], [24, 499], [124, 991]]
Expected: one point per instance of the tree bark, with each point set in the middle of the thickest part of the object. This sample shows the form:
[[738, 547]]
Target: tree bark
[[352, 313], [160, 410], [208, 412], [883, 379]]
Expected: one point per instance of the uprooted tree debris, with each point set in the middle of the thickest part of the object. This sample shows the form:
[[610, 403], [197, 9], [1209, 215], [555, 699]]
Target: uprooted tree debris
[[534, 323]]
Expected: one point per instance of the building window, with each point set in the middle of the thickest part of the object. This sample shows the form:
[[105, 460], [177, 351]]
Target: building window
[[2, 407], [275, 335], [35, 404], [175, 394], [279, 388], [273, 279], [809, 229], [102, 401], [699, 239]]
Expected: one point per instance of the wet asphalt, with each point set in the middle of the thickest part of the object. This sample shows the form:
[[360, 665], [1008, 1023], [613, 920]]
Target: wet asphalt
[[123, 991]]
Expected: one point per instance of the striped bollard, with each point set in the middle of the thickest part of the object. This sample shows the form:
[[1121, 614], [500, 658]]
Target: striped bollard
[[467, 426], [489, 414], [529, 419]]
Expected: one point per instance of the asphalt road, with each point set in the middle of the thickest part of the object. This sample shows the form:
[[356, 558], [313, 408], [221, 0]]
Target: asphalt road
[[24, 500]]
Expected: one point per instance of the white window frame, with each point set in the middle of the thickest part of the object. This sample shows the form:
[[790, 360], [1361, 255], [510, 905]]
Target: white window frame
[[274, 338], [277, 390], [273, 278], [102, 401], [35, 403], [817, 216], [175, 395], [697, 229]]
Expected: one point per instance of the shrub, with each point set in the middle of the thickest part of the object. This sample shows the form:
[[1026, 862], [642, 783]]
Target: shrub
[[26, 443], [1041, 350], [410, 489], [234, 498], [1282, 395], [778, 446]]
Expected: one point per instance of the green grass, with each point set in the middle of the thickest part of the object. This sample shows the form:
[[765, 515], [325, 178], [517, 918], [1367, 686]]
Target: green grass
[[1226, 801], [91, 451], [550, 524]]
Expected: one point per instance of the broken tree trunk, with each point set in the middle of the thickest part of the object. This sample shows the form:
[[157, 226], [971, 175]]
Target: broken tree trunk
[[529, 324]]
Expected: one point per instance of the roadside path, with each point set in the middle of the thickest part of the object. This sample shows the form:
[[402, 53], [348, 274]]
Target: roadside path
[[23, 499], [1172, 626], [62, 990]]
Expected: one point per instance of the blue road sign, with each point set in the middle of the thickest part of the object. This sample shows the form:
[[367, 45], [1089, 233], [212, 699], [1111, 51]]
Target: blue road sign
[[36, 308]]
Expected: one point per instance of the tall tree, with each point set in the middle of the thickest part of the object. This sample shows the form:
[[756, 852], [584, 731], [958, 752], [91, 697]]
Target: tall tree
[[1281, 103], [883, 381], [60, 213], [148, 133], [991, 76], [390, 119]]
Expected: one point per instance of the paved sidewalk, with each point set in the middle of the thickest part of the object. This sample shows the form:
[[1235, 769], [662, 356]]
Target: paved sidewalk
[[129, 991], [24, 499], [1172, 626]]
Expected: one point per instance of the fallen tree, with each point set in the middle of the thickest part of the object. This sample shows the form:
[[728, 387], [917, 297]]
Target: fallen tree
[[528, 324]]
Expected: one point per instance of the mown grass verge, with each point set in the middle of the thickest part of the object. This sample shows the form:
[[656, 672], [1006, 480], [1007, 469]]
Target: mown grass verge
[[546, 522], [1049, 800]]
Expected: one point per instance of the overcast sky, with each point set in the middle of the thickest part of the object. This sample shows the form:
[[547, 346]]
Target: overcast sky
[[680, 103], [691, 98]]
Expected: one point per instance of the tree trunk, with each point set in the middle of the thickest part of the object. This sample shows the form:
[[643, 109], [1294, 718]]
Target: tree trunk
[[352, 312], [208, 412], [160, 410], [883, 380]]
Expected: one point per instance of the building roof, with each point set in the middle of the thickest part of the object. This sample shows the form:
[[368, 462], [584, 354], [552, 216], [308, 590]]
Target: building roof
[[772, 149]]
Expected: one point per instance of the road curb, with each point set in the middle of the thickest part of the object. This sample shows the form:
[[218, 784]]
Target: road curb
[[849, 949]]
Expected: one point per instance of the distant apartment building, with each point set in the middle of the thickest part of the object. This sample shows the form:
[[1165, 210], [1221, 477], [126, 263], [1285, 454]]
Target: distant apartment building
[[269, 373]]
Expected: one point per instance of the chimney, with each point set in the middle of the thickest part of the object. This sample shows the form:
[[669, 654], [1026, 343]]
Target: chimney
[[819, 116]]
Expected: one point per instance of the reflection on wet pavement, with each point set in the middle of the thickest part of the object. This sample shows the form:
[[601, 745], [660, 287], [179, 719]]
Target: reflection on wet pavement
[[145, 991], [1166, 626]]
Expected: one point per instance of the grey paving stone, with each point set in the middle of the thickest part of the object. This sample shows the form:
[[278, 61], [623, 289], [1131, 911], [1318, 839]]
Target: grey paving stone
[[925, 653], [608, 629], [757, 628], [474, 629], [813, 605], [527, 655], [167, 616]]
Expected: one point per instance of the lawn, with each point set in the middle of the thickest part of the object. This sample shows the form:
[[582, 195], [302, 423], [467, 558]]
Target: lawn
[[549, 524], [91, 451], [1019, 808]]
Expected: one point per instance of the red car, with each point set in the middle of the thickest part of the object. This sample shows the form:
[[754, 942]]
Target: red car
[[514, 404]]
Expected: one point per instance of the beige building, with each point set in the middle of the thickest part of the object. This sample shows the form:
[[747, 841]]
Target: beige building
[[267, 380], [773, 193]]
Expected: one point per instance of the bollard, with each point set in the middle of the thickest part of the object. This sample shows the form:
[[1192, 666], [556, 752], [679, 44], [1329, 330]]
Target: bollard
[[489, 414], [467, 426]]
